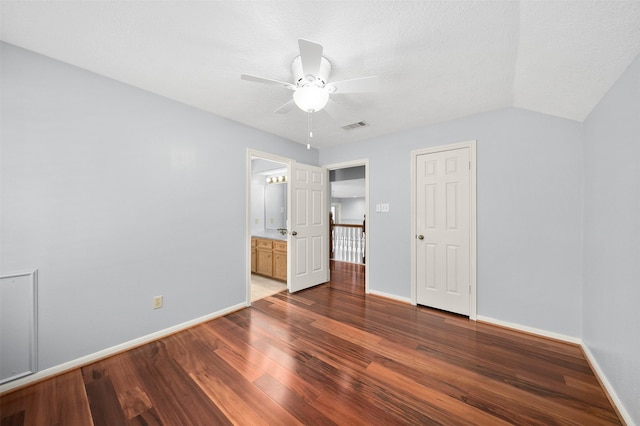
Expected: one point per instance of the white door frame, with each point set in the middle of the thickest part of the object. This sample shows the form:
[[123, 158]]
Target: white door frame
[[272, 157], [355, 163], [472, 209]]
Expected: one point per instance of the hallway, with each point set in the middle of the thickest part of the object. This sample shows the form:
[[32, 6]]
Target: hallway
[[348, 277]]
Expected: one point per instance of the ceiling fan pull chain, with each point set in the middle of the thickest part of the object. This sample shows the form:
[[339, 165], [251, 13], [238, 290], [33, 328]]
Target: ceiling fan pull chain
[[309, 132]]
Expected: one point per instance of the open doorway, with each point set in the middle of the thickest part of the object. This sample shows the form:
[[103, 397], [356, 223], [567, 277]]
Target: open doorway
[[268, 217], [348, 215], [349, 209], [289, 241]]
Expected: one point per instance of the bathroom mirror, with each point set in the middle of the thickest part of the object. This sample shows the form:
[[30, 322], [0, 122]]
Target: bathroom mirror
[[275, 206], [268, 196]]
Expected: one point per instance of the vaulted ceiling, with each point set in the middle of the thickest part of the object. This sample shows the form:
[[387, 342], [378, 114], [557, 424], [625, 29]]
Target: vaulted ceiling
[[436, 60]]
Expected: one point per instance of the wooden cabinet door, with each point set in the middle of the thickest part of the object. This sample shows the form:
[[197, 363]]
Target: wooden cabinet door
[[254, 260], [280, 265], [264, 262]]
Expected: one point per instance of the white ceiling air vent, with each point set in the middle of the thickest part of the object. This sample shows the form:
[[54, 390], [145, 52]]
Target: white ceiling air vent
[[356, 125]]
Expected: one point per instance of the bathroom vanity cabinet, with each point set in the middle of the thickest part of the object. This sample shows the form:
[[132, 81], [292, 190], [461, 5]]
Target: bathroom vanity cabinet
[[269, 258]]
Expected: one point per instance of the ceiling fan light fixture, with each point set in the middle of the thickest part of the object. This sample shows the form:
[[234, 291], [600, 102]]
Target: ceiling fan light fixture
[[311, 98]]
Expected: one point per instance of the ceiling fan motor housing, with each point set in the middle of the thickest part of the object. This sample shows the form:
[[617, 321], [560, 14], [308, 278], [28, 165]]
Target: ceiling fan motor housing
[[319, 80]]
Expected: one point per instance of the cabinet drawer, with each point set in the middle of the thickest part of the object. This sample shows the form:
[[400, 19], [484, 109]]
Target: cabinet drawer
[[264, 244], [280, 246]]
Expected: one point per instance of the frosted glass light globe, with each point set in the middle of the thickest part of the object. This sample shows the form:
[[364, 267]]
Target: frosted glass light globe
[[310, 98]]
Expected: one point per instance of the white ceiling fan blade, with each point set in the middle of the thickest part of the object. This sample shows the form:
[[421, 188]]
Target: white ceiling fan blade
[[310, 56], [268, 81], [340, 115], [285, 108], [356, 85]]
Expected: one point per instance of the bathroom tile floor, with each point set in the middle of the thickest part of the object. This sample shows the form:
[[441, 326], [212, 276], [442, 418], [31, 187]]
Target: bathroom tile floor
[[262, 287]]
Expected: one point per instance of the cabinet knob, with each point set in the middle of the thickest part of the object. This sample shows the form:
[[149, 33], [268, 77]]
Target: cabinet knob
[[294, 233], [421, 237]]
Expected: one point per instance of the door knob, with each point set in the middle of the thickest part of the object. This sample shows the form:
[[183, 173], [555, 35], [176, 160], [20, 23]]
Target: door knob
[[294, 233], [421, 237]]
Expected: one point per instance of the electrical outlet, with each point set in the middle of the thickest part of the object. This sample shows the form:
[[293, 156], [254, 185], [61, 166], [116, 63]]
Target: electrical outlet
[[157, 302]]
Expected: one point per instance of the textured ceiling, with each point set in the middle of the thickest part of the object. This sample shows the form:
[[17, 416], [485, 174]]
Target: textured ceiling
[[436, 60]]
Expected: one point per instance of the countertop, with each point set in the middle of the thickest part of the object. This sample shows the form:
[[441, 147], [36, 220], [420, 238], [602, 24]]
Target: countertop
[[270, 234]]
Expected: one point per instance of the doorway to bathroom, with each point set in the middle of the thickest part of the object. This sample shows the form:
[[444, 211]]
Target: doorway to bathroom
[[268, 214], [289, 239]]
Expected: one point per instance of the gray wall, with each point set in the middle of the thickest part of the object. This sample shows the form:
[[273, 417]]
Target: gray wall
[[351, 209], [529, 213], [117, 195], [611, 327]]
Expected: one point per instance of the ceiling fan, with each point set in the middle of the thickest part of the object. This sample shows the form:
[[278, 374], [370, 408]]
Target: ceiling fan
[[311, 86]]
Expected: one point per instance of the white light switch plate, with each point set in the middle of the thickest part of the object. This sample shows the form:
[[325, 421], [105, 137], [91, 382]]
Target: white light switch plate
[[382, 208]]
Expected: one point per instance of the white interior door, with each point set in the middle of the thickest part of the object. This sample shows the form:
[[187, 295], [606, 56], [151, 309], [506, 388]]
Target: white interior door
[[308, 259], [443, 228]]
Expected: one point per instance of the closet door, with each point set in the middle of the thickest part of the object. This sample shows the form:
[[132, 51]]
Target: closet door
[[443, 237]]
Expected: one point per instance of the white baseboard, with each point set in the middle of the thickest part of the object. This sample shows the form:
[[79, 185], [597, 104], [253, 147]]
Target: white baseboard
[[603, 379], [532, 330], [88, 359], [390, 296], [575, 340]]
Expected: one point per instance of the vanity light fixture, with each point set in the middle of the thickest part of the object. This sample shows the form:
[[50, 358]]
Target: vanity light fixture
[[277, 179]]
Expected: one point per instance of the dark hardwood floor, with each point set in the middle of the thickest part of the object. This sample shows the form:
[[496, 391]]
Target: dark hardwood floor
[[327, 355]]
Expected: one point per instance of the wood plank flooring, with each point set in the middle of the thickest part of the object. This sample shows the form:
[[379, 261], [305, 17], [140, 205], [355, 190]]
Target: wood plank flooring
[[327, 355]]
